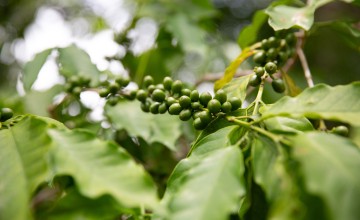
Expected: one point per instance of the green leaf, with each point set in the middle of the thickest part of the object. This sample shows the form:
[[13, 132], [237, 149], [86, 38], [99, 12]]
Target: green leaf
[[32, 68], [285, 125], [330, 168], [269, 167], [285, 17], [355, 135], [23, 165], [75, 61], [38, 102], [237, 87], [164, 129], [210, 188], [349, 33], [249, 34], [231, 69], [339, 103], [101, 168]]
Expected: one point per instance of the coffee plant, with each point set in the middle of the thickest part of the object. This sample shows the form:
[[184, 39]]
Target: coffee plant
[[257, 146]]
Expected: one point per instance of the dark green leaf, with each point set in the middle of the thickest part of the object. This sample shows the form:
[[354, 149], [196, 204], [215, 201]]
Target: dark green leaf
[[32, 68], [269, 167], [339, 103], [330, 167], [164, 129], [249, 34], [101, 168], [75, 61]]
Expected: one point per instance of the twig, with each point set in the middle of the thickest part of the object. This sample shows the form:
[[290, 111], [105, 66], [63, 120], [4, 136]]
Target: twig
[[305, 66]]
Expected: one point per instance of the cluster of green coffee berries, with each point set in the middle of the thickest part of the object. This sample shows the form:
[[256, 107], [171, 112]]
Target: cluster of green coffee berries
[[76, 83], [115, 90], [172, 97], [5, 114], [274, 51]]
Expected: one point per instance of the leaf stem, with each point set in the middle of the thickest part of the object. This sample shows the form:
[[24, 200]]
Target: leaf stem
[[245, 124], [258, 98]]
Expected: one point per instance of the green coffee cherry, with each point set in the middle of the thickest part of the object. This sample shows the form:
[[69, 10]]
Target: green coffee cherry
[[198, 124], [158, 95], [114, 87], [205, 97], [77, 91], [113, 100], [194, 96], [132, 95], [148, 80], [160, 86], [196, 105], [273, 42], [221, 96], [259, 57], [185, 101], [154, 107], [185, 92], [214, 106], [226, 107], [177, 86], [170, 100], [167, 83], [205, 117], [290, 39], [104, 92], [185, 114], [141, 95], [235, 103], [271, 54], [341, 130], [5, 114], [254, 81], [278, 85], [265, 44], [175, 109], [270, 67], [145, 106], [259, 71], [151, 88], [75, 80], [163, 108], [122, 81]]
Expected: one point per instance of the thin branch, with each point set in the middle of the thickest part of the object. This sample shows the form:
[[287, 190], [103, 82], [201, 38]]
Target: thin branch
[[305, 66]]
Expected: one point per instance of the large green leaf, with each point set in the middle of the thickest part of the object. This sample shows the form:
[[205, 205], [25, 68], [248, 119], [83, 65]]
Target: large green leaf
[[32, 68], [23, 165], [100, 168], [74, 61], [249, 34], [269, 167], [164, 129], [339, 103], [210, 188], [330, 168]]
